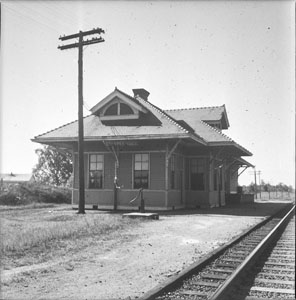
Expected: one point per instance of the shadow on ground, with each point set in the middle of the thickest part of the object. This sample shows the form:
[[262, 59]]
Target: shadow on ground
[[257, 209], [253, 209]]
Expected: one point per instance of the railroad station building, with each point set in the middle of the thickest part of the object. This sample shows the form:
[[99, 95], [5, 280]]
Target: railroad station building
[[180, 158]]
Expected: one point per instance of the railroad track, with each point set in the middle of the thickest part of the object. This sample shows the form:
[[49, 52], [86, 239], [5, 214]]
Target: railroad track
[[231, 272], [273, 274]]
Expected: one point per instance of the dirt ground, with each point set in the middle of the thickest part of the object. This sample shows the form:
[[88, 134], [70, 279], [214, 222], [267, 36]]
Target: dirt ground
[[138, 260]]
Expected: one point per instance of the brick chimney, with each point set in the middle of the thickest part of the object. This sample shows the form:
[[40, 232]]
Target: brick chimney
[[142, 93]]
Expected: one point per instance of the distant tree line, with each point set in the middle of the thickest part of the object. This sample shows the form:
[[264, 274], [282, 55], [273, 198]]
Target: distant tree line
[[267, 187]]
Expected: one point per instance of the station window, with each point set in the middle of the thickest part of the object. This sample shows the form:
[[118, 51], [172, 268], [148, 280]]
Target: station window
[[96, 168], [197, 174], [141, 171]]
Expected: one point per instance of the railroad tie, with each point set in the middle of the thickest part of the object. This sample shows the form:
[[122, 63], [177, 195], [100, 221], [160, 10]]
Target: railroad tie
[[272, 290], [214, 276], [221, 265], [279, 264], [193, 293], [222, 271], [256, 298], [274, 269], [206, 283], [290, 282]]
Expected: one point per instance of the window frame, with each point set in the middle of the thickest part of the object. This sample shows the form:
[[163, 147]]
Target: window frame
[[118, 116], [134, 170], [101, 170], [197, 186]]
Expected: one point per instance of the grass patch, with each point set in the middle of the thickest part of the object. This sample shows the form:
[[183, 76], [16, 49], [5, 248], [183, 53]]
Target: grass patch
[[36, 235]]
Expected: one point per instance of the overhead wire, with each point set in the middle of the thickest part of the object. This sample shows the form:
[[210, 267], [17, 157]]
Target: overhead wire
[[16, 12], [49, 16], [52, 10]]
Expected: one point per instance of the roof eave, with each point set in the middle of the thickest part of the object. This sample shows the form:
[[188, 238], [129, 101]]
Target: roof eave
[[244, 150], [244, 162], [118, 138]]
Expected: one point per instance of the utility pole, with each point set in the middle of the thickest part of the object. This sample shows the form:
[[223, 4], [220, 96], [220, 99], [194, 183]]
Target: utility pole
[[255, 184], [80, 45]]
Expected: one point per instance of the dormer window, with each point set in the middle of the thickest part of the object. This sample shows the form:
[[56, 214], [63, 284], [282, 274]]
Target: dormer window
[[119, 107], [125, 109], [112, 110], [118, 111]]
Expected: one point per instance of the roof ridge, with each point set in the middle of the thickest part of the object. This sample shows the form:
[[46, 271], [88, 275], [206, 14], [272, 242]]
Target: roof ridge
[[124, 93], [59, 127], [195, 108]]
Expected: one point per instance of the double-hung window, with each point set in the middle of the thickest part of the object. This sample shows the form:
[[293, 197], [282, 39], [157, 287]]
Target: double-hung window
[[96, 170], [197, 174], [141, 171]]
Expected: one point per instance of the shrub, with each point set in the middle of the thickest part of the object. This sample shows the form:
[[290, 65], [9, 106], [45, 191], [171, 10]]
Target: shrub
[[26, 193]]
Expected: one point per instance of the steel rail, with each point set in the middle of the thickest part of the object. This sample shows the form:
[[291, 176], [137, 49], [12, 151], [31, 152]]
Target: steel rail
[[225, 288]]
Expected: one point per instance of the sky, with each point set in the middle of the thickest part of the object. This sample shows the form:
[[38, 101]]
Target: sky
[[185, 53]]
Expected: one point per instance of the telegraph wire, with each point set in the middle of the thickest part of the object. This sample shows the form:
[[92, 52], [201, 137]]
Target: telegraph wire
[[51, 18], [57, 11], [13, 11]]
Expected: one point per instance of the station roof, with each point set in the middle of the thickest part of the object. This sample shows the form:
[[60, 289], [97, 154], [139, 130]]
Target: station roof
[[181, 123]]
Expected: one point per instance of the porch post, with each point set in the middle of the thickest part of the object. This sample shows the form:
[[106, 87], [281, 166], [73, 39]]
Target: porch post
[[115, 185], [166, 176]]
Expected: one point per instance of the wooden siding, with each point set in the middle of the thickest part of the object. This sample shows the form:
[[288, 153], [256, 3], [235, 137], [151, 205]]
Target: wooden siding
[[174, 199], [125, 172], [157, 171], [109, 170], [105, 198], [76, 176], [197, 199], [95, 197], [151, 198]]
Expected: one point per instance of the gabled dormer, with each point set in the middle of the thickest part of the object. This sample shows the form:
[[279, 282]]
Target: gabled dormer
[[118, 106], [216, 117], [120, 109]]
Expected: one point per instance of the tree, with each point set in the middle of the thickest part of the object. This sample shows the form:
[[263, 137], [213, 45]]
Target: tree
[[53, 167]]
